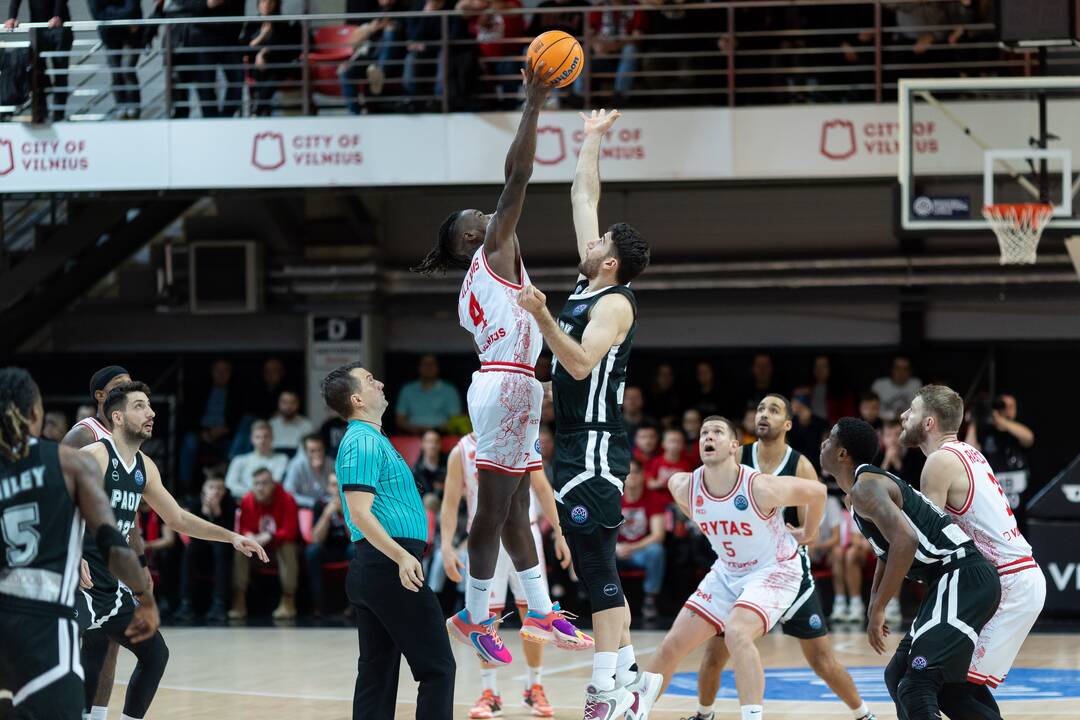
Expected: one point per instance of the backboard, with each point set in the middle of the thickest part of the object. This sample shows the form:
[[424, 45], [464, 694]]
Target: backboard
[[966, 143]]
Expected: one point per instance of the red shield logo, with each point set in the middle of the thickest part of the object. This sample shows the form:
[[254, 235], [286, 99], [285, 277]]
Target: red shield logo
[[700, 501], [838, 139], [550, 145], [7, 157], [268, 151]]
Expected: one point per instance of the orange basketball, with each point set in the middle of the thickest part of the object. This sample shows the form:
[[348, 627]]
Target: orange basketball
[[558, 50]]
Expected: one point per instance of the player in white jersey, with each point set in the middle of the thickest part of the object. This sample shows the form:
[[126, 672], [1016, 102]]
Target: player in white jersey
[[85, 432], [461, 483], [504, 398], [958, 478], [757, 573]]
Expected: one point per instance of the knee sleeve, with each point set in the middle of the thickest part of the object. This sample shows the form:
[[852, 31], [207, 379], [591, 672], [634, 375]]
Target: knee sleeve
[[95, 646], [152, 656], [594, 561], [918, 694]]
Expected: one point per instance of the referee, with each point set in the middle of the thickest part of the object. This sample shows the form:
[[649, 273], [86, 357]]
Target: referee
[[396, 614]]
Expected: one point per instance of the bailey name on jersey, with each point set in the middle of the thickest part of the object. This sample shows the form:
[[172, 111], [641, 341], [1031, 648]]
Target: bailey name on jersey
[[12, 485]]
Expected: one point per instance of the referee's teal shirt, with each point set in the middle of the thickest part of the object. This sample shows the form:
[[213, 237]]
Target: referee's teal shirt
[[367, 461]]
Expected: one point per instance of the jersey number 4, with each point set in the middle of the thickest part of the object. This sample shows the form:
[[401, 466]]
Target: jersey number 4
[[476, 313], [20, 534]]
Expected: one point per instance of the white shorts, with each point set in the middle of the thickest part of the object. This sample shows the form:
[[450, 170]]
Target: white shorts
[[506, 575], [1022, 596], [767, 592], [504, 408]]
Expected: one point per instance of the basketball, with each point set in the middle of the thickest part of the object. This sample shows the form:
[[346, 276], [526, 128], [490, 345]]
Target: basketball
[[559, 50]]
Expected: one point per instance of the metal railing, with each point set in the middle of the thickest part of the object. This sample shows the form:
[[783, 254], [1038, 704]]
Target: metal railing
[[665, 53]]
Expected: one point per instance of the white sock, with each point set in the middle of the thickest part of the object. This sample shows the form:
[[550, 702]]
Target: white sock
[[535, 675], [603, 670], [840, 600], [855, 602], [536, 594], [752, 712], [489, 678], [861, 711], [626, 667], [478, 598], [704, 711], [99, 712]]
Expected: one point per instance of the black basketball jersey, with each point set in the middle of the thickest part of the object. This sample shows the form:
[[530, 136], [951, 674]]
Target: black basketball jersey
[[595, 401], [788, 465], [124, 487], [943, 546], [39, 545]]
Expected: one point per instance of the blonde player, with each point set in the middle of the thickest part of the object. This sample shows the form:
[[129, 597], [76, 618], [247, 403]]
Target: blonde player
[[757, 573], [461, 480], [958, 478], [504, 399]]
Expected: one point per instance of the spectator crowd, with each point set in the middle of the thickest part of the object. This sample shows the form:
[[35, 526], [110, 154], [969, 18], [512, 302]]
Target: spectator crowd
[[805, 53]]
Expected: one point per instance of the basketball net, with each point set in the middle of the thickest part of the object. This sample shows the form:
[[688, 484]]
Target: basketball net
[[1018, 227]]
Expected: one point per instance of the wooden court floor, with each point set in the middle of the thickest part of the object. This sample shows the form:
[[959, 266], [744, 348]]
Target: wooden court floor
[[308, 674]]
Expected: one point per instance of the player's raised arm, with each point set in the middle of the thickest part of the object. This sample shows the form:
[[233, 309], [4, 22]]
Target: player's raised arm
[[770, 491], [585, 192], [611, 318], [518, 169], [870, 498]]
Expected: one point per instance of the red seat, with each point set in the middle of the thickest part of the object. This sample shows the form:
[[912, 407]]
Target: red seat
[[333, 45], [448, 442]]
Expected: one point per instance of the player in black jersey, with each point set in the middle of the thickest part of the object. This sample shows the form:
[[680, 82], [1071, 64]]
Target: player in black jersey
[[591, 346], [805, 619], [911, 536], [104, 609], [46, 493]]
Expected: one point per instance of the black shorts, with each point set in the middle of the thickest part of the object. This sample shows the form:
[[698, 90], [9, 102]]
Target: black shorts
[[591, 465], [39, 666], [109, 609], [805, 619], [945, 631]]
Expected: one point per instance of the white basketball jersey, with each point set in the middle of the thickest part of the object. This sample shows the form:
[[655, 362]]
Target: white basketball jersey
[[986, 516], [94, 425], [743, 538], [467, 447], [503, 331]]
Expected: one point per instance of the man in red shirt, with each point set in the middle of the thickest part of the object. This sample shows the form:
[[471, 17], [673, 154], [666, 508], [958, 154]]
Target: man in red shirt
[[646, 443], [641, 536], [268, 515], [672, 460]]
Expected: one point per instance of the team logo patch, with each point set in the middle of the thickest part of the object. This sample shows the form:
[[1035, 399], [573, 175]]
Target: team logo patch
[[700, 501], [114, 462], [115, 476], [919, 663], [538, 447], [139, 479], [579, 514], [579, 309], [815, 622], [610, 589], [741, 503]]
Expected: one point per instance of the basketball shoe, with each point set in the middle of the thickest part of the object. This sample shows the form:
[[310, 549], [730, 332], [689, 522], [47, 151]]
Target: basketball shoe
[[482, 637], [488, 706], [645, 689], [535, 700], [554, 627], [607, 704]]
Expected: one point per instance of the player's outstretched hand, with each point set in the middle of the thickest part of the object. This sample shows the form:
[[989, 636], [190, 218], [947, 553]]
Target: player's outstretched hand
[[562, 551], [249, 547], [145, 621], [877, 631], [410, 573], [84, 576], [452, 564], [532, 299], [537, 81], [801, 534], [599, 121]]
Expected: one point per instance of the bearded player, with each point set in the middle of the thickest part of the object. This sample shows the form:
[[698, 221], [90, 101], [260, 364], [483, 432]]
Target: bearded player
[[805, 619], [504, 400], [591, 344], [957, 477], [758, 571]]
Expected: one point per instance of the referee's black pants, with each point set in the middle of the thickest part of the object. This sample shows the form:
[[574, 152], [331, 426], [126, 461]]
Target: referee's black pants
[[392, 621]]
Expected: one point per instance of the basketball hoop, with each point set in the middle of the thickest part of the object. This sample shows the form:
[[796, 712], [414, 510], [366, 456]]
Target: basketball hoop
[[1018, 227]]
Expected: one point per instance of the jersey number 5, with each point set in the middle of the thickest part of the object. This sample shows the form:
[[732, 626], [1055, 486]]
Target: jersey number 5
[[20, 535], [476, 313], [728, 549], [1008, 508]]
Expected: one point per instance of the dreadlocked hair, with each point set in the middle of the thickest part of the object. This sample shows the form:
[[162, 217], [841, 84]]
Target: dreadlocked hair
[[18, 393], [442, 257]]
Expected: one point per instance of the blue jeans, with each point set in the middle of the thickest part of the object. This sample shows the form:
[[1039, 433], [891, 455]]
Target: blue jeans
[[624, 67], [653, 561], [384, 54], [409, 78], [315, 555]]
